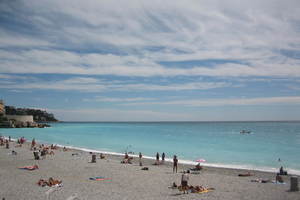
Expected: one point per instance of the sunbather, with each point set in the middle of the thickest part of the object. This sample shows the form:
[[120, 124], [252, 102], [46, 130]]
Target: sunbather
[[246, 174], [197, 167], [51, 182]]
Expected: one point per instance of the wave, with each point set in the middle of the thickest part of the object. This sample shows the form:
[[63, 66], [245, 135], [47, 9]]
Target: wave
[[185, 162], [190, 162]]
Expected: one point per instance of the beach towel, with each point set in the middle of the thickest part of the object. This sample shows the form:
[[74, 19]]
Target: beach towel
[[98, 178], [279, 183], [33, 167], [205, 191]]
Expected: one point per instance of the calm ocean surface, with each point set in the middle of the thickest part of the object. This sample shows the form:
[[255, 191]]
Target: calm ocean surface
[[219, 143]]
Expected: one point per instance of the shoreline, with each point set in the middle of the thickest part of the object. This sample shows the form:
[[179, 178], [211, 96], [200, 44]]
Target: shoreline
[[180, 161]]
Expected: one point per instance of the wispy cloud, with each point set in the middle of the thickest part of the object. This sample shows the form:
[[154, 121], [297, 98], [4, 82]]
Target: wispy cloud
[[132, 40], [108, 99], [64, 62], [85, 84]]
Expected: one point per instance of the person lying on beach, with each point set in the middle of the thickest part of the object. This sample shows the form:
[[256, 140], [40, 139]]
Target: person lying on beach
[[259, 180], [199, 189], [33, 167], [196, 168], [65, 149], [51, 182], [246, 174], [127, 159]]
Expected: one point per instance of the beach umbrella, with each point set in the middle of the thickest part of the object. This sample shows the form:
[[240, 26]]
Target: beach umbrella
[[201, 160]]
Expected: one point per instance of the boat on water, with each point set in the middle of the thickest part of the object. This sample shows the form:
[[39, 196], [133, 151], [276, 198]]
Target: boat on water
[[245, 132]]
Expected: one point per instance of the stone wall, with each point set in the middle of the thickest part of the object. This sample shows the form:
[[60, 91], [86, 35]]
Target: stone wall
[[20, 118]]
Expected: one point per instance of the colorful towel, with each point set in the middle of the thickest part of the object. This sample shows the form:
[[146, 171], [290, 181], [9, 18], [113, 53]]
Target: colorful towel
[[204, 191], [98, 178], [33, 167]]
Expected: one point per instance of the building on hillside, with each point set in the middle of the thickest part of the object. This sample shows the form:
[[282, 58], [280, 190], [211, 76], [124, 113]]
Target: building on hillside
[[2, 108], [20, 118]]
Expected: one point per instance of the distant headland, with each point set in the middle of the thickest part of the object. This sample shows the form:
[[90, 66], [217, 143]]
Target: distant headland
[[11, 117]]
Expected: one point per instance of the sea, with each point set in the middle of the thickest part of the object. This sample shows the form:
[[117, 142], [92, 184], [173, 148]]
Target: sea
[[268, 146]]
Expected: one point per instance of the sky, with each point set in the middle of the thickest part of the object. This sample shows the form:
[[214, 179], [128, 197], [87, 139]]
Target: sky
[[141, 60]]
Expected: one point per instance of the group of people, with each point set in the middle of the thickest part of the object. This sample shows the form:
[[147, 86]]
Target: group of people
[[127, 159], [42, 150], [50, 182], [3, 142], [163, 155]]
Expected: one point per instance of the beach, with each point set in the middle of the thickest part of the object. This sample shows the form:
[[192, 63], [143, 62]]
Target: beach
[[124, 181]]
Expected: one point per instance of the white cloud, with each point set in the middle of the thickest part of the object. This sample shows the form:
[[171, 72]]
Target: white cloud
[[109, 99], [86, 84], [63, 62], [251, 32]]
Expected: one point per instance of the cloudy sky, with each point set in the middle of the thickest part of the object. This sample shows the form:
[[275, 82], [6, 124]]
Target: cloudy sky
[[141, 60]]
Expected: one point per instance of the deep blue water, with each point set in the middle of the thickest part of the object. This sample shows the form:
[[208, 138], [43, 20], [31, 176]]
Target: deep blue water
[[219, 143]]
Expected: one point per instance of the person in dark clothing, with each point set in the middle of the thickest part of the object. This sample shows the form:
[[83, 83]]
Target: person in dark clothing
[[163, 157], [175, 163]]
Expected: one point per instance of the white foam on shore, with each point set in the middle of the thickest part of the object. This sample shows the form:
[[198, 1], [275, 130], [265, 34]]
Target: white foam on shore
[[185, 162], [189, 162]]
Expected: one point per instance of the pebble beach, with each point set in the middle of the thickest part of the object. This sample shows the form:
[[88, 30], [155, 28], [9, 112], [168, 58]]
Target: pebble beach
[[124, 181]]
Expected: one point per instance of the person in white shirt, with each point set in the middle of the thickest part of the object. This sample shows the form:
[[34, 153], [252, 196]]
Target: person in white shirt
[[184, 182]]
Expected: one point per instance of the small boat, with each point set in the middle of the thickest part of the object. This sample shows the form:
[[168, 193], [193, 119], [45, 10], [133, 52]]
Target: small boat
[[244, 132]]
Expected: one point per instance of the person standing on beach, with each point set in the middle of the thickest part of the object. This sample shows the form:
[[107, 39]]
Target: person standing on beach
[[163, 157], [157, 158], [7, 144], [33, 143], [184, 182], [140, 158], [175, 162]]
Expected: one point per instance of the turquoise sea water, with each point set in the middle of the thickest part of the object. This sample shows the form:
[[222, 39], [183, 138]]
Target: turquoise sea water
[[219, 143]]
